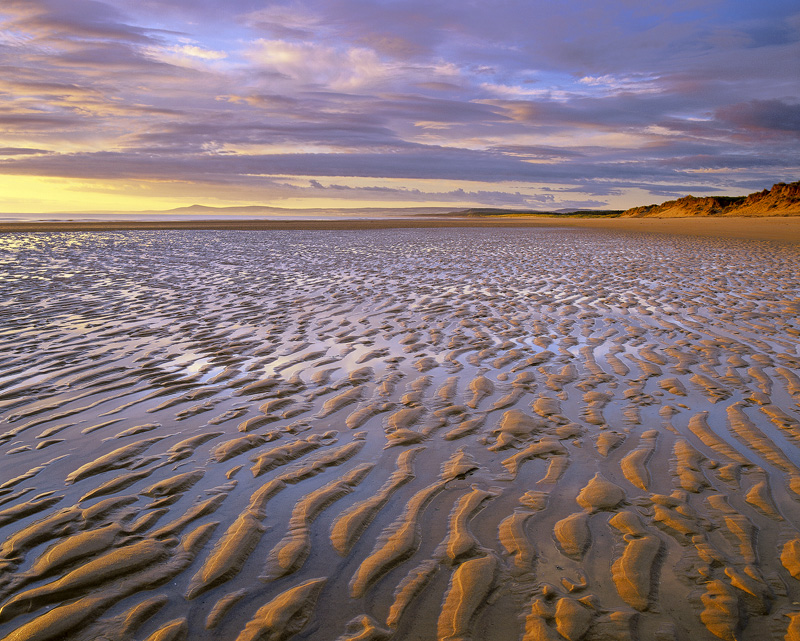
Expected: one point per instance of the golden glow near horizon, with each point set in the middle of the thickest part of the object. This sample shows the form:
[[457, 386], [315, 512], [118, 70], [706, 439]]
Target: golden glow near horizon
[[34, 194]]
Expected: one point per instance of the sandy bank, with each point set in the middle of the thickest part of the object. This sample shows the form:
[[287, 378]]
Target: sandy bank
[[762, 228]]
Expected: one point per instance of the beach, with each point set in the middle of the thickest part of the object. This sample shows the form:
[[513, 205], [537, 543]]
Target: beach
[[444, 429], [783, 228]]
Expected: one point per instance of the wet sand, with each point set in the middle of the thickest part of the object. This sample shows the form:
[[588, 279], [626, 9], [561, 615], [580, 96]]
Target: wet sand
[[530, 433], [783, 228]]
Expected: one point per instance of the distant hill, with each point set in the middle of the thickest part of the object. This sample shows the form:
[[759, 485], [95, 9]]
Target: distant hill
[[782, 200]]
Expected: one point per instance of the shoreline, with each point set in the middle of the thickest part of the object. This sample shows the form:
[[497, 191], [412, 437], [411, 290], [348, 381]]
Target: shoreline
[[785, 229]]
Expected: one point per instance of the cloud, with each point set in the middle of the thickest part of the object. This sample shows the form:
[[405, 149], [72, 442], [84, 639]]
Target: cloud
[[284, 21], [611, 99], [186, 55], [72, 21], [762, 116], [310, 64], [20, 151], [32, 122], [341, 68], [487, 197]]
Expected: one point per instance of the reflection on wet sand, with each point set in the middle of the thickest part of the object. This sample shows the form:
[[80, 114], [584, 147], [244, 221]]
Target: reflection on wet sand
[[437, 434]]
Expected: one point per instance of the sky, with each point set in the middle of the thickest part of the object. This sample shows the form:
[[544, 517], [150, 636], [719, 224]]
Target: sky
[[534, 104]]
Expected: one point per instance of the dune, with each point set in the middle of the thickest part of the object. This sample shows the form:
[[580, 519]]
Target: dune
[[781, 200], [515, 430]]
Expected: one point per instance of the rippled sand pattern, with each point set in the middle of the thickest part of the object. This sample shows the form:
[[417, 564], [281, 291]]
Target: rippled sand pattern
[[410, 434]]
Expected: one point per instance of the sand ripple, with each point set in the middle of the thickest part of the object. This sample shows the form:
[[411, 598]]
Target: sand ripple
[[433, 434]]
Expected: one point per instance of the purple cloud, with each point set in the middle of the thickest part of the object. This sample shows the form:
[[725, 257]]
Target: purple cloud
[[760, 116], [541, 102]]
